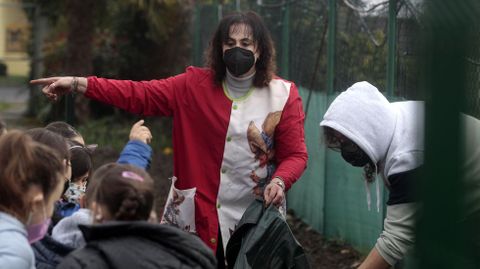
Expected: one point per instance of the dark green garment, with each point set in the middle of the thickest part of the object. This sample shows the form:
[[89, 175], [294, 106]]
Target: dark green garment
[[263, 240]]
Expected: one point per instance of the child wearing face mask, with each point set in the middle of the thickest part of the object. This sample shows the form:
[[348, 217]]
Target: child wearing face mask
[[81, 163], [65, 235], [48, 251], [71, 203], [31, 180], [121, 198]]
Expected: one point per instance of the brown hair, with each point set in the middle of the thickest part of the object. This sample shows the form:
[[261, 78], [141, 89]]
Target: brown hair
[[51, 139], [64, 129], [265, 65], [125, 190], [23, 163]]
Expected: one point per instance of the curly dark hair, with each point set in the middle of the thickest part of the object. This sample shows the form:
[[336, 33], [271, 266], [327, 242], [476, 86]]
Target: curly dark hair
[[369, 172], [265, 66]]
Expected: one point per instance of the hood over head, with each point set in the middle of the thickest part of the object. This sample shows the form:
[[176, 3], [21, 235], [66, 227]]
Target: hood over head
[[365, 116]]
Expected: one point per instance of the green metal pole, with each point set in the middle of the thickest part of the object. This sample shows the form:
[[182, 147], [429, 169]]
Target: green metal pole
[[332, 17], [392, 46], [69, 109], [285, 71], [197, 59], [441, 235]]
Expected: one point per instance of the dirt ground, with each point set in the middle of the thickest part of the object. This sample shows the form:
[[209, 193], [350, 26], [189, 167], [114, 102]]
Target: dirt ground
[[323, 254]]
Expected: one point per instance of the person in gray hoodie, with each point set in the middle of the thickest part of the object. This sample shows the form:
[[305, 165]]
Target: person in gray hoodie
[[388, 139], [31, 179]]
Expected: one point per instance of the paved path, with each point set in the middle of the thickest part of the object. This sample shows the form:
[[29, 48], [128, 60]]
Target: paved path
[[13, 104]]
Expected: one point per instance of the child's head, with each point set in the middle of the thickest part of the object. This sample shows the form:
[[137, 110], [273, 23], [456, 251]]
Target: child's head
[[56, 142], [120, 192], [81, 161], [66, 130], [31, 178]]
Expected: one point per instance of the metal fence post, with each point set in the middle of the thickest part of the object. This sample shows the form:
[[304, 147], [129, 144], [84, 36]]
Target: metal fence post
[[197, 59], [392, 46], [331, 46], [441, 236], [286, 41]]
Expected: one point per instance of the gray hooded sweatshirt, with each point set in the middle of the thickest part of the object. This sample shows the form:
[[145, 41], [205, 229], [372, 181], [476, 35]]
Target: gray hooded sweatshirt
[[15, 251], [391, 134]]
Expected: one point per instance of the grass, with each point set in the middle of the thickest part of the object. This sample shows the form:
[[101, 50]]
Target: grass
[[10, 81], [5, 106], [113, 132]]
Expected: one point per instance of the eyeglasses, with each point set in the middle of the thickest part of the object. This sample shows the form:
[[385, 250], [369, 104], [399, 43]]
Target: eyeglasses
[[342, 144]]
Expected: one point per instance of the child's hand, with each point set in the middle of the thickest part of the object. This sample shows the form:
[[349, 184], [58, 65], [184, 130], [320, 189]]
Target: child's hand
[[140, 132]]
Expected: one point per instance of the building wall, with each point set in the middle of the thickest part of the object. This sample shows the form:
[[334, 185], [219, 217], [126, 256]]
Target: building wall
[[14, 37]]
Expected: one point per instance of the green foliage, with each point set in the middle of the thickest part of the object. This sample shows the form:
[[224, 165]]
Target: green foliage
[[360, 59], [113, 132], [133, 39], [142, 40]]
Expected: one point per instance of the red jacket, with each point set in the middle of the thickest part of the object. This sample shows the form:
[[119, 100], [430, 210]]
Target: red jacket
[[201, 114]]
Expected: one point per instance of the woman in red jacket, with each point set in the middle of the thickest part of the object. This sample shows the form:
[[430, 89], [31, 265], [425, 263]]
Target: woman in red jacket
[[237, 128]]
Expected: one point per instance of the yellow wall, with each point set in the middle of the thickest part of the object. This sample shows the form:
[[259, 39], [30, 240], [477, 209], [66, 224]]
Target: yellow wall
[[13, 53]]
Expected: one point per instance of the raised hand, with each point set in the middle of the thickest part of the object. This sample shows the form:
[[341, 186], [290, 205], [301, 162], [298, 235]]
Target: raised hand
[[140, 132]]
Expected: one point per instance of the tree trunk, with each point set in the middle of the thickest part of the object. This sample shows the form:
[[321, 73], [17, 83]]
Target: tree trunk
[[79, 52]]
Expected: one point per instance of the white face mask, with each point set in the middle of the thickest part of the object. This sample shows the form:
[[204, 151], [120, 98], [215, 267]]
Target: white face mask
[[75, 192]]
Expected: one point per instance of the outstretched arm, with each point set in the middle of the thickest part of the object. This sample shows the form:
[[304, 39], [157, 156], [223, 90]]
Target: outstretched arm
[[56, 87], [148, 98]]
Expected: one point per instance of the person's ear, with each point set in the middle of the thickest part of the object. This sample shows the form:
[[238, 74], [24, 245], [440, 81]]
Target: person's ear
[[35, 199], [96, 212], [256, 53]]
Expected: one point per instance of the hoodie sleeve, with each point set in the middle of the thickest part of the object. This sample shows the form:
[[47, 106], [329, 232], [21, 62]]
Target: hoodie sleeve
[[136, 153], [398, 233], [291, 151]]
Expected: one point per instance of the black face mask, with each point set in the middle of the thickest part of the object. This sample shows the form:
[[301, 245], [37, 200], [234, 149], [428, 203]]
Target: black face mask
[[354, 155], [238, 60]]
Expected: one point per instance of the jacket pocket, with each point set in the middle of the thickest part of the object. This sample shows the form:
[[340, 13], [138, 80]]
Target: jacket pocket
[[179, 210]]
